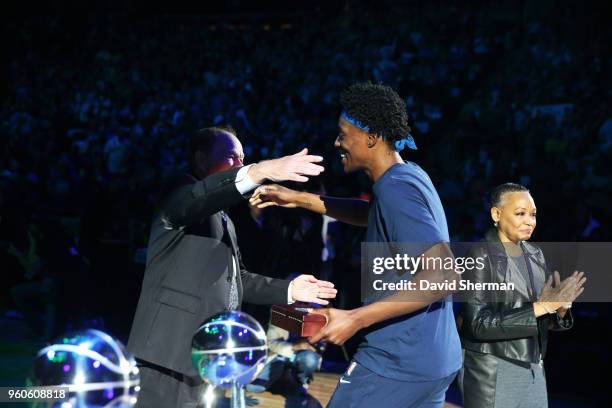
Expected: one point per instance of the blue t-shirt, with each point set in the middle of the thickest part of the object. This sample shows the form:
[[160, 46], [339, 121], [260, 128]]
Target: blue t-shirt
[[424, 345]]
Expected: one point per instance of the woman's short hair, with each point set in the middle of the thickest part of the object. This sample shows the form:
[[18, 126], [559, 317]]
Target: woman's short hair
[[499, 191]]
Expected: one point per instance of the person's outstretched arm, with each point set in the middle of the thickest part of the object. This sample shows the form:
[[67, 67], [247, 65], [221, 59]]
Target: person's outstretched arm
[[188, 200], [349, 210], [263, 290], [409, 220], [343, 324]]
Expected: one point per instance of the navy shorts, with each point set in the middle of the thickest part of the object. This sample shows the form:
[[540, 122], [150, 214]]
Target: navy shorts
[[359, 387]]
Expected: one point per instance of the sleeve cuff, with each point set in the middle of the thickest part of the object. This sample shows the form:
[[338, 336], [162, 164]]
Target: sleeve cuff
[[289, 294], [565, 322], [244, 183]]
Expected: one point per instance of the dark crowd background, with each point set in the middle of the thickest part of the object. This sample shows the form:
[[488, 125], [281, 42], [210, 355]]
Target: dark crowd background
[[96, 108]]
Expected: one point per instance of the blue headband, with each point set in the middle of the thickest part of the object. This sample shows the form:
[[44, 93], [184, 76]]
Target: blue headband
[[407, 141], [354, 121]]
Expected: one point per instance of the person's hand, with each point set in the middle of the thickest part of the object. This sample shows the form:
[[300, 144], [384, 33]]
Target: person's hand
[[574, 288], [307, 288], [273, 194], [563, 292], [303, 345], [562, 311], [341, 326], [292, 168]]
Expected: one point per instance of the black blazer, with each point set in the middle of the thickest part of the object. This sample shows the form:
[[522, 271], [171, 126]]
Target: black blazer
[[501, 324], [187, 274]]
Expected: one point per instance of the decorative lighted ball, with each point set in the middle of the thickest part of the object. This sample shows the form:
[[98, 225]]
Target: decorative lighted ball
[[96, 367], [229, 347]]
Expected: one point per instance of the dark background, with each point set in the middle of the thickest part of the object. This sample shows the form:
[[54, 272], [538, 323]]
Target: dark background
[[99, 99]]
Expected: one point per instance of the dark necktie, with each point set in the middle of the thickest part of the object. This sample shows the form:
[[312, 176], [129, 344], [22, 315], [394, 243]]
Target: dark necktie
[[233, 301]]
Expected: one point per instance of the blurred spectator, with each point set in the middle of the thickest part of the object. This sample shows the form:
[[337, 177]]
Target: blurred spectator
[[97, 110]]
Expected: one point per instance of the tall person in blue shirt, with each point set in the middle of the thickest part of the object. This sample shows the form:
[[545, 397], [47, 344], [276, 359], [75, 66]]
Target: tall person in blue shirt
[[411, 351]]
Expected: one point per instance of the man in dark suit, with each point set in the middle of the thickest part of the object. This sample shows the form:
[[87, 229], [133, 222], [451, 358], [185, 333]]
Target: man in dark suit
[[194, 269]]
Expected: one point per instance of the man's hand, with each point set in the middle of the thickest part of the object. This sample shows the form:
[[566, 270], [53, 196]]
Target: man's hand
[[307, 288], [273, 194], [293, 168], [341, 326], [303, 345]]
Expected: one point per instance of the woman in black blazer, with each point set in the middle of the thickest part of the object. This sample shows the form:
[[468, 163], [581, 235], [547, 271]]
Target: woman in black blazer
[[504, 334]]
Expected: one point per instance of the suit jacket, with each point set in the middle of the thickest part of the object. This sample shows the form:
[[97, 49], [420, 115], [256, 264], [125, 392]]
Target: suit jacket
[[187, 276]]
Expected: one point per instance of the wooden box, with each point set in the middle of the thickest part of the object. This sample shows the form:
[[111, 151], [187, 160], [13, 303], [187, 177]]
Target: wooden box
[[297, 320]]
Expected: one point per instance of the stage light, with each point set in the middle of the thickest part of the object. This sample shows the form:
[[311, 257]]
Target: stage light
[[229, 347], [97, 369]]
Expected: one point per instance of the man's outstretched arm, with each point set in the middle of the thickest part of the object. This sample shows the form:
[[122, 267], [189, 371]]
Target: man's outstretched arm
[[343, 324], [349, 210], [189, 202], [260, 289]]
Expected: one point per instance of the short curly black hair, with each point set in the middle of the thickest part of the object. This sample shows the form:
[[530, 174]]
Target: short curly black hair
[[378, 107], [498, 192]]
